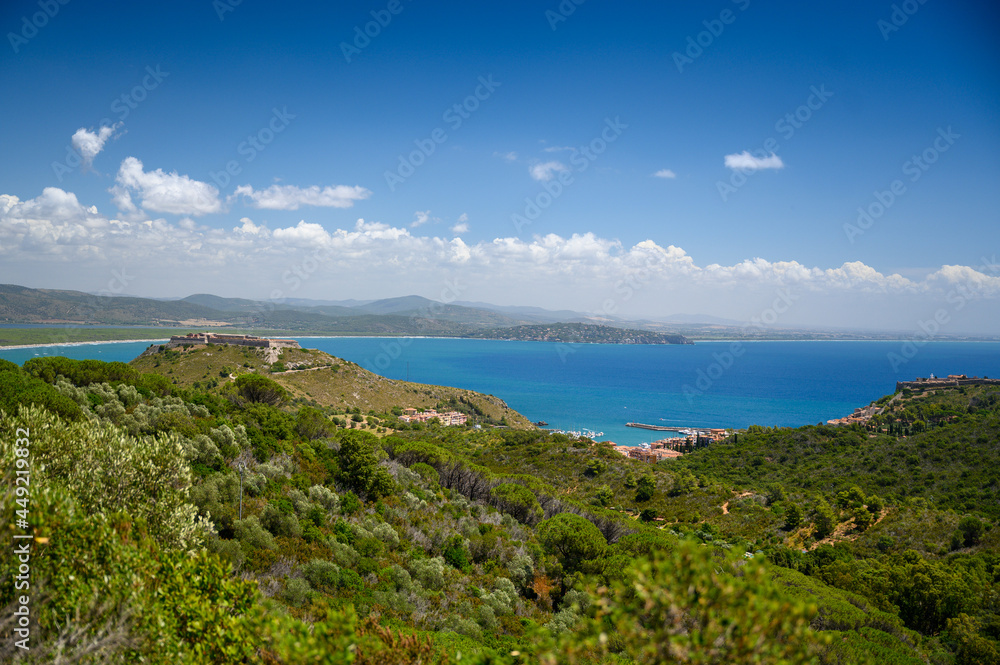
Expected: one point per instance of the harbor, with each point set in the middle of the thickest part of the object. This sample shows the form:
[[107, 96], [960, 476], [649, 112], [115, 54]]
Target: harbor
[[716, 434]]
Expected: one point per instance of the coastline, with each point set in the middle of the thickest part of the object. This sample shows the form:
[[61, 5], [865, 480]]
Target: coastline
[[105, 341], [693, 340]]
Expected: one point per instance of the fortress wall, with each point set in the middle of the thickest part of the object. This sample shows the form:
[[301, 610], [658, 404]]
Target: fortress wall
[[234, 340]]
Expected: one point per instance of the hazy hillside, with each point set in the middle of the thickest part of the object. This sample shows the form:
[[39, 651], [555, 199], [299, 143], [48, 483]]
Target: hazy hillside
[[581, 333]]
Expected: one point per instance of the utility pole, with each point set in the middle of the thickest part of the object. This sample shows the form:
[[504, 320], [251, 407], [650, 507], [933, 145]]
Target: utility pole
[[242, 467]]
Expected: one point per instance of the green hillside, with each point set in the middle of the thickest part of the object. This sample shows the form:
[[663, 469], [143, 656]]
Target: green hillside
[[365, 539], [319, 379]]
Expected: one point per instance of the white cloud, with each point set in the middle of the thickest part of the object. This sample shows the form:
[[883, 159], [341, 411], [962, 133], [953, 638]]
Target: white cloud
[[162, 192], [290, 197], [665, 173], [464, 217], [506, 156], [558, 148], [89, 144], [546, 171], [744, 160], [57, 239], [420, 218], [249, 228]]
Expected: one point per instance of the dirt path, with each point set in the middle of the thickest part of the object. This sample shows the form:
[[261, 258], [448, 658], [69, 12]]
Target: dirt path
[[725, 508]]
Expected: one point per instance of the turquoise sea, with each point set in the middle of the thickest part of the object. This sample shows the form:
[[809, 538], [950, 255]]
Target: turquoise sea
[[601, 387]]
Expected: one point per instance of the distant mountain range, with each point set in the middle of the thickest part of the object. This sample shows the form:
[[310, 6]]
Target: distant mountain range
[[406, 315]]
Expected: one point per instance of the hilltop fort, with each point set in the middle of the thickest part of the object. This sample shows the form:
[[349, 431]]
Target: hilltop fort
[[236, 340], [950, 381]]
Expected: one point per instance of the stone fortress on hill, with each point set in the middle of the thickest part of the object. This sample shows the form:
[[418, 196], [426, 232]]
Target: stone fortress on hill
[[206, 338], [950, 381]]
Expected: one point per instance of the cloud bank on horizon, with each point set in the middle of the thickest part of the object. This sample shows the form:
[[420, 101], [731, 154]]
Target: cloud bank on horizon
[[582, 271]]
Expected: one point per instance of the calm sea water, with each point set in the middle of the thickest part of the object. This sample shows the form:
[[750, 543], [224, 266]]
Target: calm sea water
[[601, 387]]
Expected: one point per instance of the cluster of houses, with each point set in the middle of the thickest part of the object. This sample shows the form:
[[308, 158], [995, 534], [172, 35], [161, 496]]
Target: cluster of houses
[[650, 454], [860, 416], [674, 447], [411, 415]]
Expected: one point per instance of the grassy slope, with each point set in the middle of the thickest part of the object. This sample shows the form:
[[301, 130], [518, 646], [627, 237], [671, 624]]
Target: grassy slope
[[327, 380], [27, 336]]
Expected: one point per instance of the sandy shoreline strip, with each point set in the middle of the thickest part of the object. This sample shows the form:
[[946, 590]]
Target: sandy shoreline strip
[[105, 341]]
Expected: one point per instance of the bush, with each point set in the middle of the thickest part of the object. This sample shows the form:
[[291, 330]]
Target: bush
[[322, 574], [252, 535], [109, 471], [429, 572], [456, 554], [324, 497], [686, 606], [296, 591]]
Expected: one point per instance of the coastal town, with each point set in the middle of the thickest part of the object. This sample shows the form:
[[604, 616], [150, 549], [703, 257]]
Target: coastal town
[[411, 415], [672, 447]]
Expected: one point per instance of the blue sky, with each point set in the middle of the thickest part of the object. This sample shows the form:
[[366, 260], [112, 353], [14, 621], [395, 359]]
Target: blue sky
[[769, 125]]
